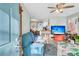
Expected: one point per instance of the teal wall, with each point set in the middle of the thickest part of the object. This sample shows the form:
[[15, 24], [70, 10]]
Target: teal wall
[[9, 29]]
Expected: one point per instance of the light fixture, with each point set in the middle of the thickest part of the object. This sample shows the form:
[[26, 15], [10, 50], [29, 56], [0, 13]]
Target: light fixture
[[57, 11], [61, 10]]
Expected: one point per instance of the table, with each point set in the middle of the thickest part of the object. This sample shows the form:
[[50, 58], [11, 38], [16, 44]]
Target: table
[[66, 49]]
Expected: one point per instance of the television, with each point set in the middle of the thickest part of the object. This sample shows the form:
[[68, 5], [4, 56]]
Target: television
[[57, 29]]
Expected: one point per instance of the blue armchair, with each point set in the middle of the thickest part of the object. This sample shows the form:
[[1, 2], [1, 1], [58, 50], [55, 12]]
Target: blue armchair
[[30, 49], [27, 40]]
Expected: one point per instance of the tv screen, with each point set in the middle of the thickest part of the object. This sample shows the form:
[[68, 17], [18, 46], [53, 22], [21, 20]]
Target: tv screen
[[57, 29]]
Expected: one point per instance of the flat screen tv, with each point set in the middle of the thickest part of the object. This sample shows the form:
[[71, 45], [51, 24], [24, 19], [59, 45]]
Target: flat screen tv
[[57, 29]]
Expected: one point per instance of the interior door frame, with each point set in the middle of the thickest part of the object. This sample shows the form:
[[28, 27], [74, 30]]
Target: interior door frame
[[20, 13]]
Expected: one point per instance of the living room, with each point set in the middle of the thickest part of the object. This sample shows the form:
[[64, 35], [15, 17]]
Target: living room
[[44, 17], [39, 29]]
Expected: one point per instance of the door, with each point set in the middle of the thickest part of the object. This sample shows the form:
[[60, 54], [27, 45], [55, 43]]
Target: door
[[9, 29]]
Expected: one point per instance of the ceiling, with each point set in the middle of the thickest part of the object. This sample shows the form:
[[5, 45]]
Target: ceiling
[[40, 10]]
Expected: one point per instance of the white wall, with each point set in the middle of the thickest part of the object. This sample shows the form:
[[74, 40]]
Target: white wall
[[25, 21], [58, 21]]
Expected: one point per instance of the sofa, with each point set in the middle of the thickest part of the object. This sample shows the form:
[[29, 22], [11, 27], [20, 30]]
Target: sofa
[[29, 45]]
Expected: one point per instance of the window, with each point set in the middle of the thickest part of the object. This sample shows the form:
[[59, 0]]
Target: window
[[4, 28]]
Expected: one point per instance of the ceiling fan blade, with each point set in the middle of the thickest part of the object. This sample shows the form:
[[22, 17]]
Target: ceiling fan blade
[[52, 11], [69, 6], [51, 7]]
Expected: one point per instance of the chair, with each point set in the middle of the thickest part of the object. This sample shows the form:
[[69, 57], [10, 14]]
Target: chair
[[27, 40], [29, 46]]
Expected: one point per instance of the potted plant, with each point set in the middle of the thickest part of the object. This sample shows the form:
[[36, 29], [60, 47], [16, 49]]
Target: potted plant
[[76, 37]]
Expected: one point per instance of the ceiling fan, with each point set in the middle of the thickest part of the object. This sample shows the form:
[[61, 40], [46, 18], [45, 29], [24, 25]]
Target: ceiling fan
[[59, 7]]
